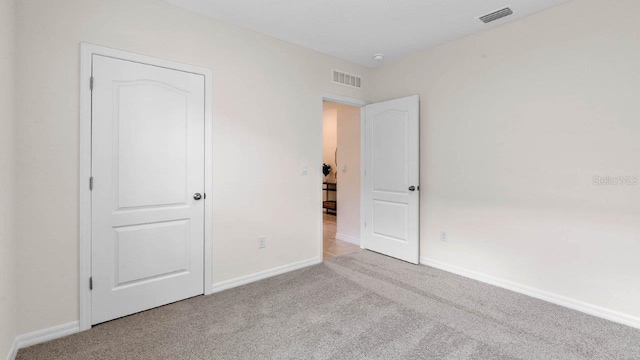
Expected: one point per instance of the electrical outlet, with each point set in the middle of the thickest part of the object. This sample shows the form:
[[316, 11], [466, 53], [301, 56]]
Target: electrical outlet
[[303, 170], [262, 242], [443, 236]]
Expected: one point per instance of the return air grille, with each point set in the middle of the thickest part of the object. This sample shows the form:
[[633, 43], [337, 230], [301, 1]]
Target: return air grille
[[496, 15], [343, 78]]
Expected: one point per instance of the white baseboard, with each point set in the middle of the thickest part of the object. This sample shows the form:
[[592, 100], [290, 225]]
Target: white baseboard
[[228, 284], [348, 238], [40, 336], [13, 352], [48, 334], [567, 302]]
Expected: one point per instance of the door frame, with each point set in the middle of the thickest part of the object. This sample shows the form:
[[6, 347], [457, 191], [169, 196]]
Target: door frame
[[360, 103], [84, 215]]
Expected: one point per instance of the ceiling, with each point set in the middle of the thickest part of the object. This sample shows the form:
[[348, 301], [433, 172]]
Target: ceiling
[[355, 30]]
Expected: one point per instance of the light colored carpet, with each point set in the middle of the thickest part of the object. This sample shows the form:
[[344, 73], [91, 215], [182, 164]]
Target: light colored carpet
[[360, 306]]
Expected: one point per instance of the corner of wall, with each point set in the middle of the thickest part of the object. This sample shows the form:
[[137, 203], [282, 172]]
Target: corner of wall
[[8, 237]]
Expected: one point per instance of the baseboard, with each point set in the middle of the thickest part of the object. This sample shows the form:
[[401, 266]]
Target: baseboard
[[13, 352], [348, 238], [567, 302], [243, 280], [40, 336]]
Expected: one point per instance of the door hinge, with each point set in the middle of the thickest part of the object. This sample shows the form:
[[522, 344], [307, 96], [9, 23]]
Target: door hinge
[[91, 83], [91, 283], [91, 183]]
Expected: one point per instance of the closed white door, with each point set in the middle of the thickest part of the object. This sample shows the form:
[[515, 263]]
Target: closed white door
[[392, 175], [147, 167]]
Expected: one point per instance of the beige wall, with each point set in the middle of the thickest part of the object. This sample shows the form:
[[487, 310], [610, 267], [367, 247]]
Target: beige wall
[[8, 240], [348, 177], [267, 110], [515, 122]]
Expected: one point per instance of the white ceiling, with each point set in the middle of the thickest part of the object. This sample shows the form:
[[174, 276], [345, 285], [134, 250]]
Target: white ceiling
[[355, 30]]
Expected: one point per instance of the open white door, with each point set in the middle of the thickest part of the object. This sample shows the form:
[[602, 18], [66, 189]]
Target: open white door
[[392, 199], [148, 187]]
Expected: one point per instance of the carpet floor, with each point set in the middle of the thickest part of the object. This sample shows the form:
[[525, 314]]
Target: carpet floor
[[359, 306]]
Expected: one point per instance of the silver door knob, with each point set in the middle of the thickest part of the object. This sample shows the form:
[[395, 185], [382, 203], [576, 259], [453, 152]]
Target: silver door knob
[[412, 188], [197, 196]]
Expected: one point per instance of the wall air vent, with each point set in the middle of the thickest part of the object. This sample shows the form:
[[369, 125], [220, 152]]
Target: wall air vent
[[343, 78], [496, 15]]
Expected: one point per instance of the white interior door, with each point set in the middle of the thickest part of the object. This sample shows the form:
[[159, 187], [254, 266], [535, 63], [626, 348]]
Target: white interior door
[[392, 175], [147, 165]]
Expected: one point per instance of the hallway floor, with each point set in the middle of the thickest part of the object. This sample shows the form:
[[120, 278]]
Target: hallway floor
[[333, 247]]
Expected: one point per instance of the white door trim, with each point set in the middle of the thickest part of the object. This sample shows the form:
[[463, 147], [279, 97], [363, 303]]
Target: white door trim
[[351, 102], [84, 252]]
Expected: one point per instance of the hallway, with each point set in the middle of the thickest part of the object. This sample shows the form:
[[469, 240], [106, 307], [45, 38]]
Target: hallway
[[333, 247]]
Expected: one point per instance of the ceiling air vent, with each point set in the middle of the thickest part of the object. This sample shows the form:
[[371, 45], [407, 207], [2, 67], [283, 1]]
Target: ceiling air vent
[[496, 15], [343, 78]]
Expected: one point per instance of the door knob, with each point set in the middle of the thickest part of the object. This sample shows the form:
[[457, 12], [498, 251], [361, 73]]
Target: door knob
[[197, 196], [412, 188]]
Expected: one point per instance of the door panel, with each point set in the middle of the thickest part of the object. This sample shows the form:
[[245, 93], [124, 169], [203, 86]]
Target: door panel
[[391, 168], [389, 146], [155, 112], [166, 242], [391, 220], [147, 162]]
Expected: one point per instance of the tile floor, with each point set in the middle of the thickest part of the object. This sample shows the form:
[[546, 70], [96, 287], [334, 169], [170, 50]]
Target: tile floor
[[333, 247]]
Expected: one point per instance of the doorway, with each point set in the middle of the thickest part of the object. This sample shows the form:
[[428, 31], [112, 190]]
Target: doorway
[[389, 186], [341, 184]]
